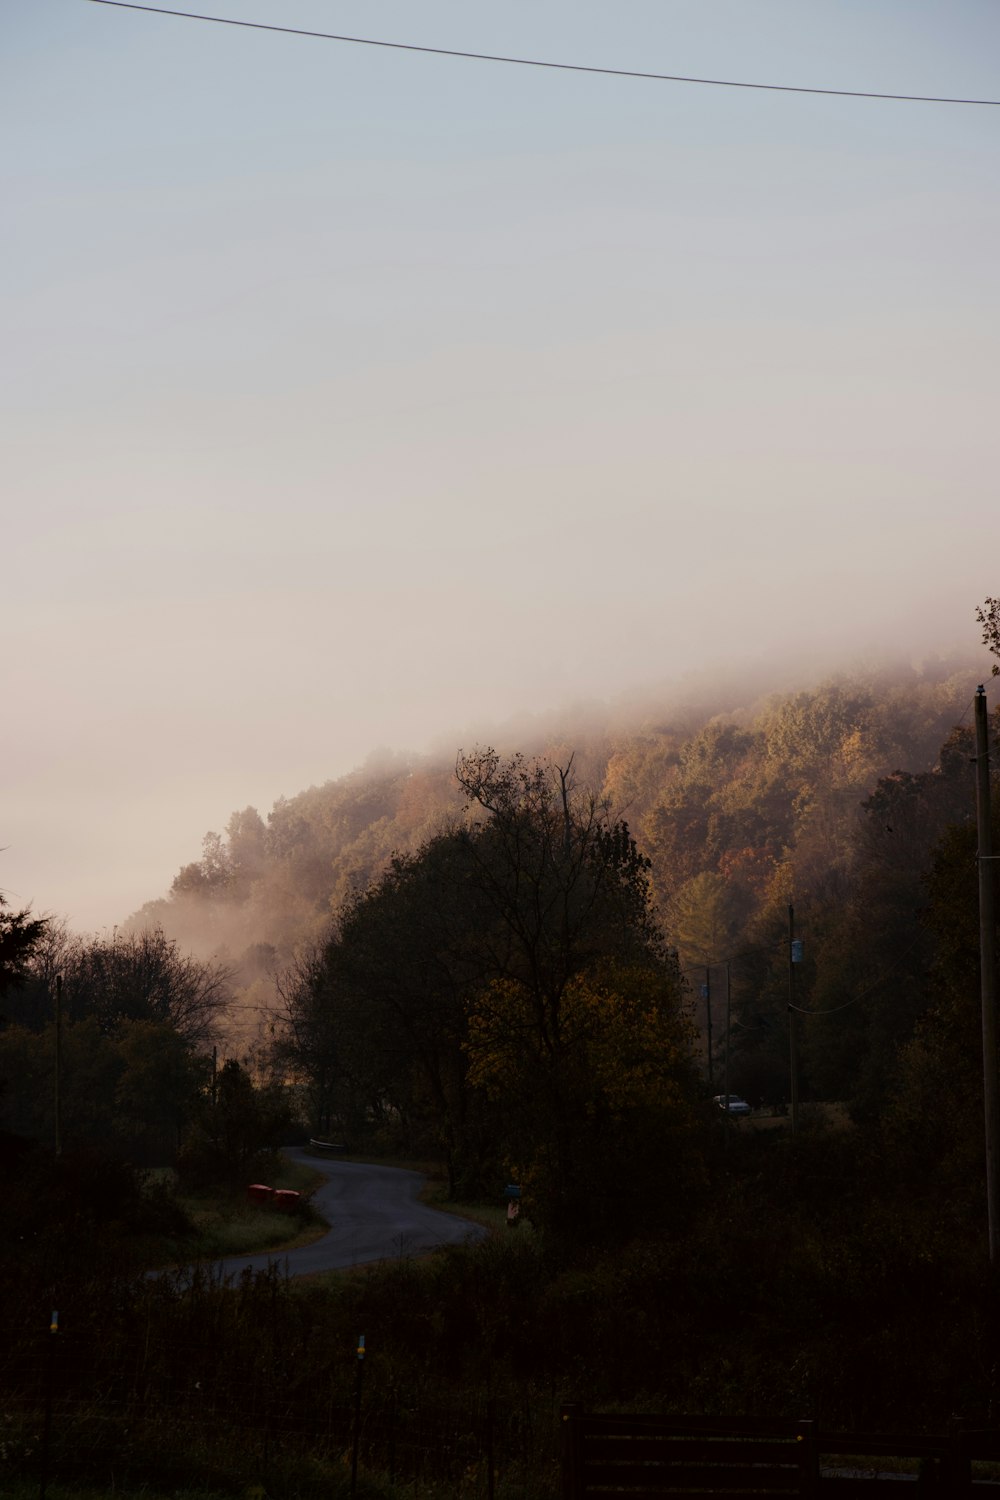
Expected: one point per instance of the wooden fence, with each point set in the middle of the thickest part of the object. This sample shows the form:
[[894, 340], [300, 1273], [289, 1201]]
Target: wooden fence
[[627, 1457]]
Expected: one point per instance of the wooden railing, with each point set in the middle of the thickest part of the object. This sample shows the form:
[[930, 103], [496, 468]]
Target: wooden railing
[[328, 1148]]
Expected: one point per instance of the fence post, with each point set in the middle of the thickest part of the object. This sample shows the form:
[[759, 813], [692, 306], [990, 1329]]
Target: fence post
[[357, 1415], [491, 1411], [50, 1362], [393, 1408], [959, 1460], [807, 1434], [571, 1425]]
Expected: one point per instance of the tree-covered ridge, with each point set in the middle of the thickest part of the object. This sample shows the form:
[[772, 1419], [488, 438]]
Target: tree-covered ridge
[[760, 797], [737, 786], [443, 1016], [263, 890]]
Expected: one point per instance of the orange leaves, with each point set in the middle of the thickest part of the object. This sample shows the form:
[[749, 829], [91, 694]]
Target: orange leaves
[[612, 1041]]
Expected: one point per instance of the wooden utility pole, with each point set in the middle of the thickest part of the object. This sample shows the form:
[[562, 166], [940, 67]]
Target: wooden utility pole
[[793, 1048], [708, 1025], [725, 1066], [987, 975], [58, 1080]]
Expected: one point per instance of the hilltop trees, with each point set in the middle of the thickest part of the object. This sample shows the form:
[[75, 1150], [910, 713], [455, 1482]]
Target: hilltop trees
[[988, 616], [276, 881]]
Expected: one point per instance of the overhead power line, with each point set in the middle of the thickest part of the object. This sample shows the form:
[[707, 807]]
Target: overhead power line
[[535, 62], [877, 984]]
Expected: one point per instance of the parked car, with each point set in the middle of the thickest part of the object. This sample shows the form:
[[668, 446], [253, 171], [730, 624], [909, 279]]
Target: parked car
[[732, 1104]]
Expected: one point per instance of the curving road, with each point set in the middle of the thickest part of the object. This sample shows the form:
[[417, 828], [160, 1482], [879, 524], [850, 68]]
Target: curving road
[[374, 1214]]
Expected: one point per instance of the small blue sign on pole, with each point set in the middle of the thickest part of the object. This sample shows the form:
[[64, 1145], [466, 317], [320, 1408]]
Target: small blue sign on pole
[[512, 1190], [797, 950]]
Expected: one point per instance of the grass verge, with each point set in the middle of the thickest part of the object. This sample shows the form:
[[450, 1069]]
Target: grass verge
[[228, 1223]]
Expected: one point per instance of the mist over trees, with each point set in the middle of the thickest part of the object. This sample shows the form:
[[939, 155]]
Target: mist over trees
[[831, 797], [365, 940]]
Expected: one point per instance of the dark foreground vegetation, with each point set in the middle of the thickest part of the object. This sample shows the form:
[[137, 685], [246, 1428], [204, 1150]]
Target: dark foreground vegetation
[[816, 1277], [507, 997]]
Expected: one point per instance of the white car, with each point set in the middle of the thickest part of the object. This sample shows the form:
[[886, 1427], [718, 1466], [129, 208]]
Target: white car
[[732, 1104]]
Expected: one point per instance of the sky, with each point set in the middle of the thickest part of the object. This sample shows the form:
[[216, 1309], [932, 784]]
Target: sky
[[355, 398]]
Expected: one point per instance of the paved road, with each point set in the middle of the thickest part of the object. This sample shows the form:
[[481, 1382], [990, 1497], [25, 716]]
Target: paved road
[[374, 1214]]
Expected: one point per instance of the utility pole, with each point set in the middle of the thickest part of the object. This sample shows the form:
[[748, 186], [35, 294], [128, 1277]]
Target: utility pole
[[58, 1100], [793, 1049], [708, 1025], [725, 1063], [47, 1420], [987, 974]]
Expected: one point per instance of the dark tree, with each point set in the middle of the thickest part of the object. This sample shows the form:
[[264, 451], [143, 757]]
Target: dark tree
[[20, 936], [503, 995], [143, 976]]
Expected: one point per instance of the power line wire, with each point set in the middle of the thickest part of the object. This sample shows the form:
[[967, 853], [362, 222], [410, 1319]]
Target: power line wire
[[877, 984], [534, 62]]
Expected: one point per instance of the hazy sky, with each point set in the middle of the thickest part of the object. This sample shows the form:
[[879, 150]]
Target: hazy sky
[[352, 397]]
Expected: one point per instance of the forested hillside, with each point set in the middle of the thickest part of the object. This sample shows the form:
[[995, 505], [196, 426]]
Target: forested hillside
[[496, 963], [832, 797]]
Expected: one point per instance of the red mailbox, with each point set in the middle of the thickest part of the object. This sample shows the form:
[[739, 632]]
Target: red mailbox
[[287, 1200], [258, 1192]]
